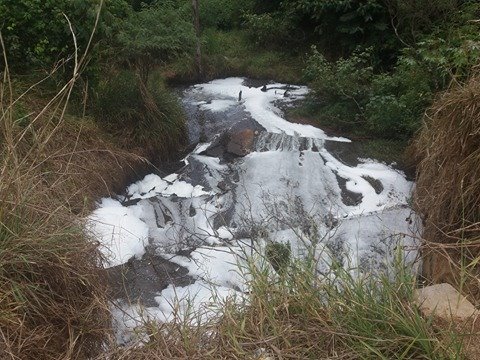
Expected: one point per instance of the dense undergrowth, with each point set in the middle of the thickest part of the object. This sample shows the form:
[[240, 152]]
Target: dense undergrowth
[[145, 118], [232, 53]]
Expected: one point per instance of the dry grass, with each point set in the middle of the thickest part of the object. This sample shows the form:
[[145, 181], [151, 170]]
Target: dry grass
[[448, 188], [52, 167], [300, 316]]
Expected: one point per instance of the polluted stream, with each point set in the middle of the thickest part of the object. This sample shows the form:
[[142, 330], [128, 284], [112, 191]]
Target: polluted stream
[[177, 243]]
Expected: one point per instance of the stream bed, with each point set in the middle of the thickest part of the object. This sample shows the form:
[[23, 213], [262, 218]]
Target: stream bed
[[252, 179]]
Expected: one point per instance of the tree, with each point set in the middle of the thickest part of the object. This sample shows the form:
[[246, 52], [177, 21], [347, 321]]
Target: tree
[[37, 34], [155, 35], [198, 50]]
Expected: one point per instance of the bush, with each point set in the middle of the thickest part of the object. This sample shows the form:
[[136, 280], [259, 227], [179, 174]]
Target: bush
[[154, 35], [223, 14], [272, 30], [146, 116], [37, 34], [448, 188], [415, 18], [342, 26], [352, 95], [341, 88], [353, 98], [397, 102]]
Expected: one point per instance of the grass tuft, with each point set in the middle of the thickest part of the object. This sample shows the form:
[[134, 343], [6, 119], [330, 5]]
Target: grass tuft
[[448, 188], [145, 115], [297, 314], [53, 167]]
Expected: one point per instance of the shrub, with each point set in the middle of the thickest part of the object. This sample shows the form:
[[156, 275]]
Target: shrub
[[37, 34], [154, 35], [342, 26], [272, 30], [146, 116], [342, 88], [223, 14], [448, 187], [397, 102], [415, 18], [352, 95]]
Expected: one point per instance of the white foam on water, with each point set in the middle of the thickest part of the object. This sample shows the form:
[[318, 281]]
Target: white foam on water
[[261, 105], [122, 235]]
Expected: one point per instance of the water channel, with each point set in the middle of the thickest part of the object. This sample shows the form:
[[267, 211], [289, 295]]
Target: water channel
[[252, 179]]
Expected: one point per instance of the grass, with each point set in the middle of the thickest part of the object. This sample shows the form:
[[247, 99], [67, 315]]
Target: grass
[[145, 118], [51, 295], [53, 167], [448, 188], [301, 315]]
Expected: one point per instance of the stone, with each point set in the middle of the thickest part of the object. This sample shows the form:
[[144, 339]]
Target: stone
[[444, 301], [262, 354], [241, 142]]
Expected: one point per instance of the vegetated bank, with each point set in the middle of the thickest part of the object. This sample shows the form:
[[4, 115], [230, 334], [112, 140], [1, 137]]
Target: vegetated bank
[[375, 68], [79, 121]]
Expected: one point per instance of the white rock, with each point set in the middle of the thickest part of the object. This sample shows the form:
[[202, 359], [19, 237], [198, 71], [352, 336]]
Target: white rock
[[444, 301]]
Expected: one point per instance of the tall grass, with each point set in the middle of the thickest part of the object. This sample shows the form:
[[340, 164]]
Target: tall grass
[[448, 188], [144, 114], [297, 314], [52, 297]]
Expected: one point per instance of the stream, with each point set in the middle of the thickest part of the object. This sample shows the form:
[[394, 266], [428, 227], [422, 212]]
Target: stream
[[176, 241]]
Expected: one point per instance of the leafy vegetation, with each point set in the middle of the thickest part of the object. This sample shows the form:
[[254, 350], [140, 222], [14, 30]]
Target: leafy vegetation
[[145, 116], [37, 34], [154, 35], [375, 66], [353, 98]]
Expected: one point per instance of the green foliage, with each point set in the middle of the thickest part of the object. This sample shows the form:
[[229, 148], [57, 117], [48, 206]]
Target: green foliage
[[448, 53], [279, 255], [354, 97], [232, 53], [145, 115], [154, 35], [272, 30], [36, 33], [337, 27], [223, 14], [342, 87], [138, 4], [415, 18], [397, 102], [346, 24]]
